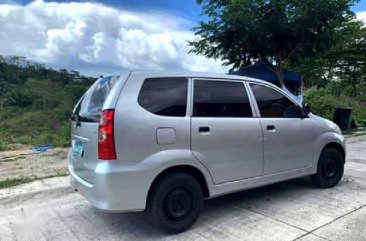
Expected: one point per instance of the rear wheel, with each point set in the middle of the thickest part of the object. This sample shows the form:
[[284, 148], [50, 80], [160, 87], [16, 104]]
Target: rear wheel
[[176, 202], [330, 169]]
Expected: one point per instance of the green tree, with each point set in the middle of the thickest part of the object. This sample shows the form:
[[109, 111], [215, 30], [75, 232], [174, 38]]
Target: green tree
[[271, 31], [343, 64]]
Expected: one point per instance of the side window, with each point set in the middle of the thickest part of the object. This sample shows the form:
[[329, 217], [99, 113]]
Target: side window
[[220, 99], [164, 96], [273, 104]]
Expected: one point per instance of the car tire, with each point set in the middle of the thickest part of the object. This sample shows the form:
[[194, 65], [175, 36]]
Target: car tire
[[330, 169], [175, 203]]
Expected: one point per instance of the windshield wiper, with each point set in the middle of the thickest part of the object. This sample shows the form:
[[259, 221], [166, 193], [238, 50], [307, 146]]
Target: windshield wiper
[[78, 119], [88, 118]]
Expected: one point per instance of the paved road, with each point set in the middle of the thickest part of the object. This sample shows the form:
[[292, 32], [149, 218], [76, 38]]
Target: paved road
[[293, 210]]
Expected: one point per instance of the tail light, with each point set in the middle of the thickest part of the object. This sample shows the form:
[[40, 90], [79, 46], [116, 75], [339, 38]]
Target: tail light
[[106, 147]]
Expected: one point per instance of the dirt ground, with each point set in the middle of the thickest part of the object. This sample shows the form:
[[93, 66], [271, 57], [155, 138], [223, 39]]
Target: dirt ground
[[26, 162]]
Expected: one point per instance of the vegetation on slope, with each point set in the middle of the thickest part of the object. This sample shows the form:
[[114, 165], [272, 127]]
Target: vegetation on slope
[[36, 102]]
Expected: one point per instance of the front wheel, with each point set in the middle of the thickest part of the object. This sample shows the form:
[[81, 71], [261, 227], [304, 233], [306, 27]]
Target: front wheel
[[330, 169], [176, 202]]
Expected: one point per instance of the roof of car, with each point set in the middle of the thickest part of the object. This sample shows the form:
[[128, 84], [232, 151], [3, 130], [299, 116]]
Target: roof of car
[[189, 74], [152, 74]]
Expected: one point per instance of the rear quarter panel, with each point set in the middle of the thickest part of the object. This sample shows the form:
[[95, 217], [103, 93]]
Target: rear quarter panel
[[136, 138]]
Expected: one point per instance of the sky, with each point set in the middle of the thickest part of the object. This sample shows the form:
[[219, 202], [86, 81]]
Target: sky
[[100, 37]]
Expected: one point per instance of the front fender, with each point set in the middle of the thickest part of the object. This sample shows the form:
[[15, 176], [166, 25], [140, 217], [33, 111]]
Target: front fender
[[323, 140]]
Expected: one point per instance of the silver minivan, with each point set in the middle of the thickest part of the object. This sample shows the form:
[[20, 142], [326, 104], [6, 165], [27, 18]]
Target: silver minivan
[[164, 142]]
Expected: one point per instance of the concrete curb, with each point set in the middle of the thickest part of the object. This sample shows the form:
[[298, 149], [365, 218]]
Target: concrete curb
[[44, 188]]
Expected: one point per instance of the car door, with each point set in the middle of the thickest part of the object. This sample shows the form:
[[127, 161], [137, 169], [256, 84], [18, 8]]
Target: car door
[[288, 137], [224, 135], [85, 123]]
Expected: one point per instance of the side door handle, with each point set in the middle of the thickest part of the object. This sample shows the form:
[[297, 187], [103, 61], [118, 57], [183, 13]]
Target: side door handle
[[271, 128], [204, 129]]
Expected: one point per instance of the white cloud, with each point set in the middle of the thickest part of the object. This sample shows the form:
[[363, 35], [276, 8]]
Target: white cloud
[[97, 39], [361, 16]]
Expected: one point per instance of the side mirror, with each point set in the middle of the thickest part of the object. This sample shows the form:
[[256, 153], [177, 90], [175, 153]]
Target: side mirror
[[306, 109]]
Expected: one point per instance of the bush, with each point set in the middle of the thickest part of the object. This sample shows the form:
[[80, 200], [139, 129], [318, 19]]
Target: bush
[[34, 127], [324, 100], [3, 146], [63, 138]]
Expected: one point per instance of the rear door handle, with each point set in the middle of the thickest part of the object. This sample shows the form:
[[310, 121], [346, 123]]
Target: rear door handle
[[271, 128], [204, 129]]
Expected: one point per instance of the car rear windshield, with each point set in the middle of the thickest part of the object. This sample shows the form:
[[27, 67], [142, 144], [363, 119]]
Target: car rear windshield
[[90, 108]]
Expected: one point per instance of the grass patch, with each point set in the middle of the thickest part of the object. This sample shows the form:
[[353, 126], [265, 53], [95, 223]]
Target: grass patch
[[8, 160], [10, 182], [11, 159], [3, 146]]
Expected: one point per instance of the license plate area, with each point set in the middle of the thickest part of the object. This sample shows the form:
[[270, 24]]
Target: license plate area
[[77, 149]]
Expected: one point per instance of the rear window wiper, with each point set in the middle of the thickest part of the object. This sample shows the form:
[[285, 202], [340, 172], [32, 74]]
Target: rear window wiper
[[88, 118], [78, 119]]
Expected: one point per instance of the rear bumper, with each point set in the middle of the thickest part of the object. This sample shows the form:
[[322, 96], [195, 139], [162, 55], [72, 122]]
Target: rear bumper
[[113, 190]]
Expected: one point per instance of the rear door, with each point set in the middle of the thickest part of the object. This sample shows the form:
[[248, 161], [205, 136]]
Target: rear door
[[224, 135], [85, 123]]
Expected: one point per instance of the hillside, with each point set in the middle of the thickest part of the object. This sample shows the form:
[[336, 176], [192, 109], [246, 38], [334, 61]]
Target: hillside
[[36, 102]]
